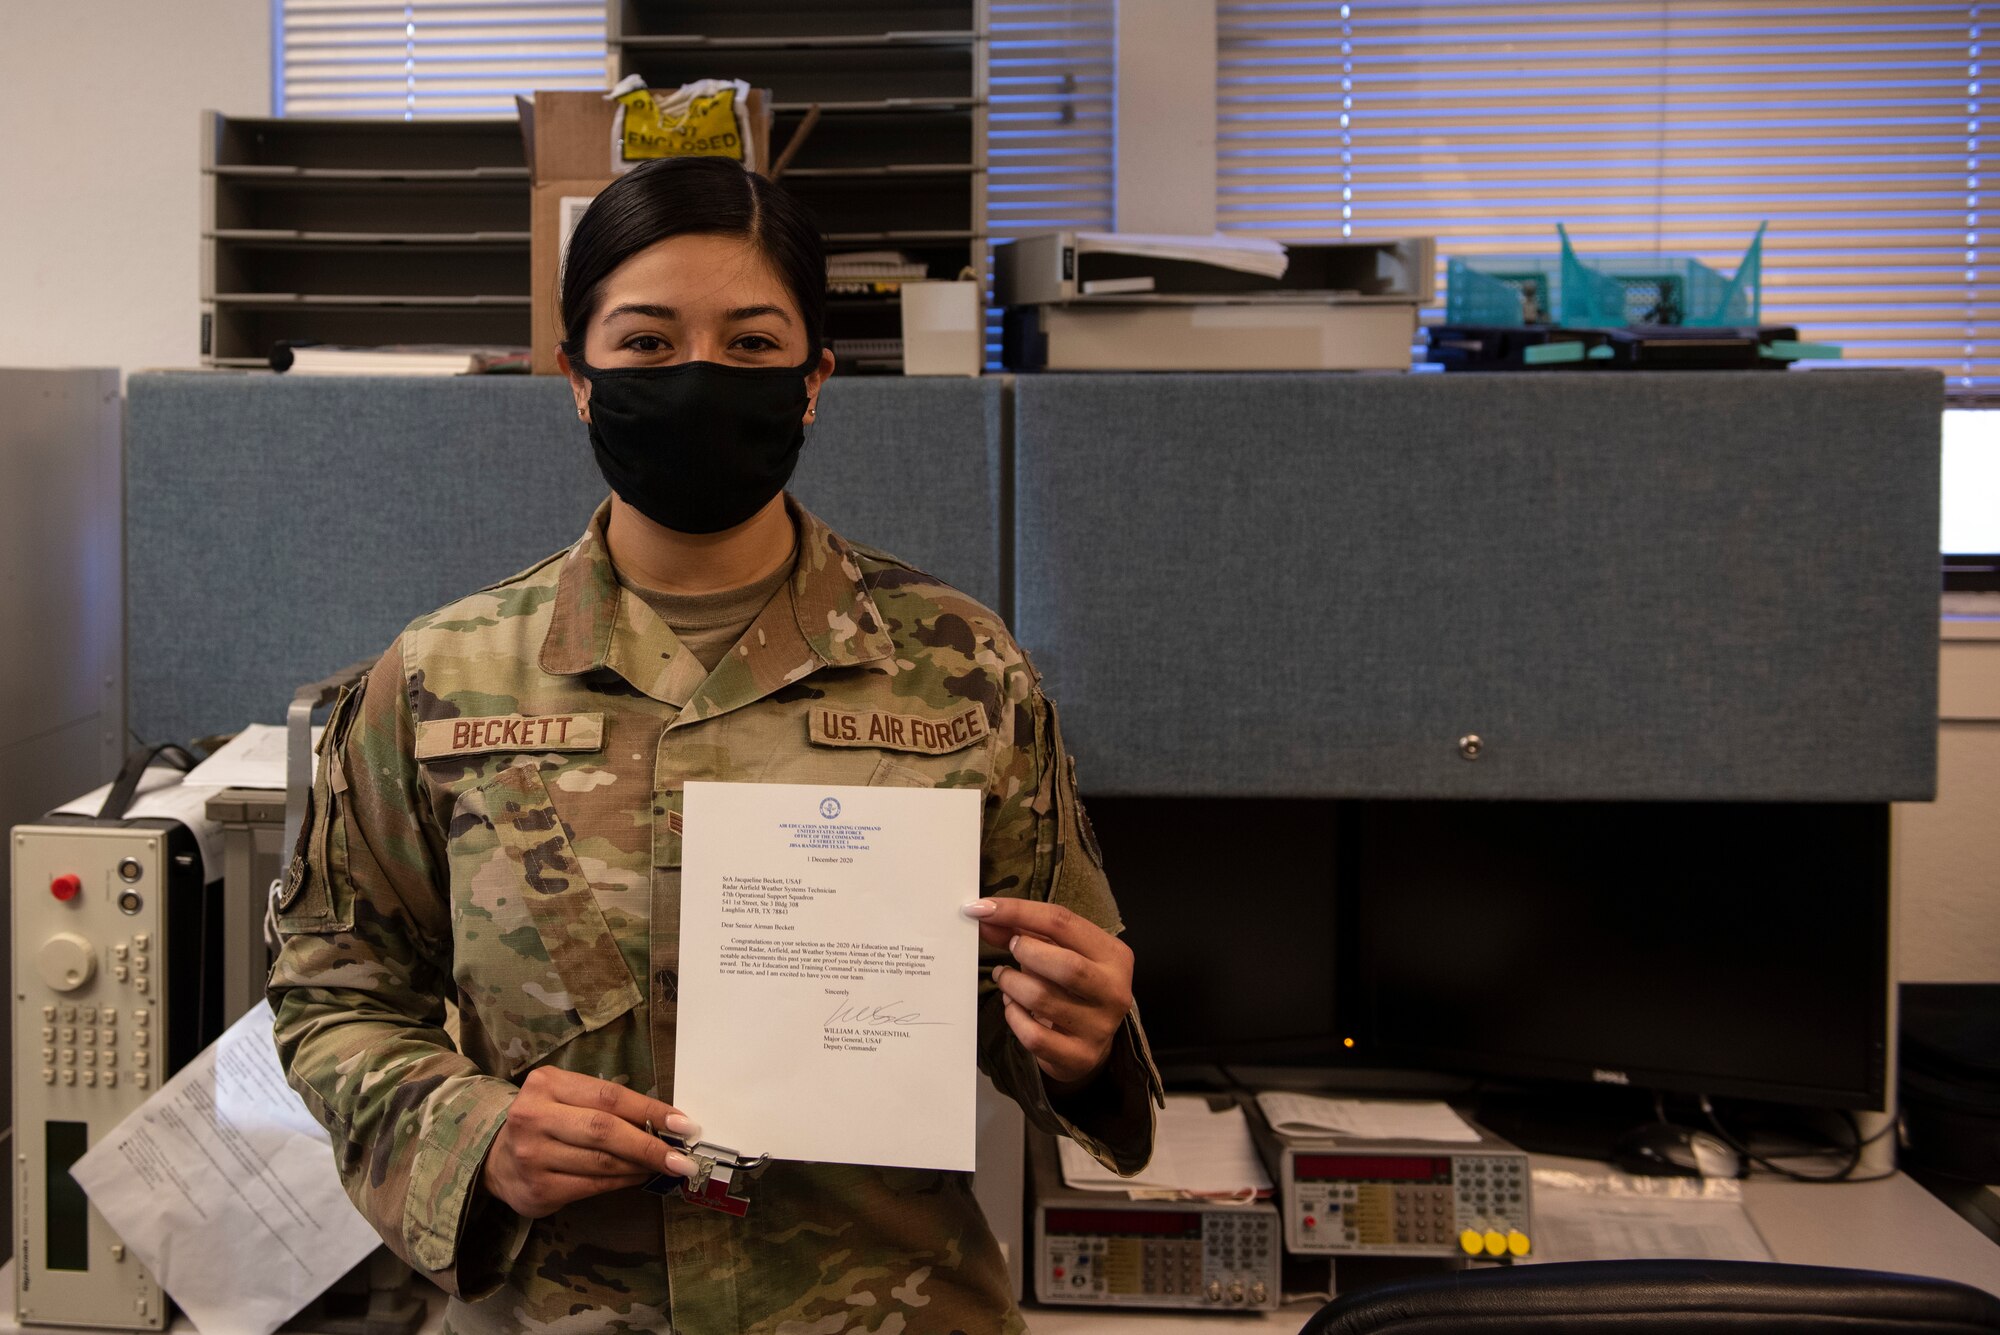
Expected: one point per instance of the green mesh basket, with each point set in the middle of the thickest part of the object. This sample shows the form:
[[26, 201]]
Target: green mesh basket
[[1612, 291], [1500, 290], [1609, 291]]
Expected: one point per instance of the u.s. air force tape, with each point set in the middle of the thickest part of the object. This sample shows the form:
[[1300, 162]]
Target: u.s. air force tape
[[509, 732], [896, 732]]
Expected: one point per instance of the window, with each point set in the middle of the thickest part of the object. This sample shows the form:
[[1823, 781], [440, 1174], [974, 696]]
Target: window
[[432, 57], [1049, 122], [1856, 130], [1051, 103]]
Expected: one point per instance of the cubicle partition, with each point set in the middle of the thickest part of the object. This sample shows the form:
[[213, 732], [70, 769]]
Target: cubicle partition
[[1553, 586], [1571, 585], [279, 527]]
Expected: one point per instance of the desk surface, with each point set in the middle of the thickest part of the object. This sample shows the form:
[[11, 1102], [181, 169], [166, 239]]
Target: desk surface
[[1893, 1224]]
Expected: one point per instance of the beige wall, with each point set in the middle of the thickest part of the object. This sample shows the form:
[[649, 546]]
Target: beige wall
[[100, 104], [1948, 852]]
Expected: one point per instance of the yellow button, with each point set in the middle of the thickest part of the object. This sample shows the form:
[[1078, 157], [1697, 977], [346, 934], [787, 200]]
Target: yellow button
[[1471, 1243], [1496, 1242], [1517, 1242]]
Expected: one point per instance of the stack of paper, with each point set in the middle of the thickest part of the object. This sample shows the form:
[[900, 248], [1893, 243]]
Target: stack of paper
[[1196, 1152], [253, 758], [242, 1249], [873, 264], [1245, 254], [1363, 1119], [407, 359], [1601, 1215]]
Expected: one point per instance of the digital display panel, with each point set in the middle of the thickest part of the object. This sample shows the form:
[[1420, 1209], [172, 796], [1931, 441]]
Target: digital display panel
[[1133, 1223], [68, 1211], [1371, 1168]]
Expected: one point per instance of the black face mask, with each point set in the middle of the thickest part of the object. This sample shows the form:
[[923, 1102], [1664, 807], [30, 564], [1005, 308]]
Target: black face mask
[[697, 447]]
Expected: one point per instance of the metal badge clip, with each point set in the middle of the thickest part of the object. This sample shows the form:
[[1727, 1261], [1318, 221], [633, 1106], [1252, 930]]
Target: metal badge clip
[[721, 1175]]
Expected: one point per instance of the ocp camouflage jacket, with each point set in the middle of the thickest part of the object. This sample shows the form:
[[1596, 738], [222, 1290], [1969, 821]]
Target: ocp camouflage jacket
[[496, 824]]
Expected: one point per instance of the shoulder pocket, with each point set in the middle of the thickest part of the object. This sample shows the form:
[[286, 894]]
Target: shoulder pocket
[[316, 895], [533, 990]]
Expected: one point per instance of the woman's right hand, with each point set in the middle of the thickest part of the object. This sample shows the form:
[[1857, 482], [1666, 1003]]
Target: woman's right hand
[[568, 1136]]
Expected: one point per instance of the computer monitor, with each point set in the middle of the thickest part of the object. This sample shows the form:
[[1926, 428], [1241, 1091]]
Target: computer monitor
[[1715, 948], [1229, 910]]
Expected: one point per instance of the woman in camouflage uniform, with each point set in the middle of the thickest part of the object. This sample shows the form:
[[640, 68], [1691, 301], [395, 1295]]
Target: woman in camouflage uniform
[[496, 822]]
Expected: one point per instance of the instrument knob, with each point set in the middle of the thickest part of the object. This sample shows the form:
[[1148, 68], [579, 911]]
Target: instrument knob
[[66, 961]]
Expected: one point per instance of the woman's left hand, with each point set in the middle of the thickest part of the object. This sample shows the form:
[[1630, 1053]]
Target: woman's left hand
[[1069, 989]]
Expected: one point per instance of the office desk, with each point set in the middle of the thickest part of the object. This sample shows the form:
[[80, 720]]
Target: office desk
[[1893, 1224]]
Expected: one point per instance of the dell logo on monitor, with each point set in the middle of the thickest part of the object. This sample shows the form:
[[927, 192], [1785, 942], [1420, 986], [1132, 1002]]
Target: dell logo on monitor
[[1604, 1077]]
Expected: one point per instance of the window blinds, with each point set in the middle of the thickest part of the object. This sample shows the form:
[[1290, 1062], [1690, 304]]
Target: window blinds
[[1049, 123], [1052, 96], [434, 57], [1857, 130]]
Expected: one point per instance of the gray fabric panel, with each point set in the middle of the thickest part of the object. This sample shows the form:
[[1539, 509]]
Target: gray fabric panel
[[1658, 586], [280, 527]]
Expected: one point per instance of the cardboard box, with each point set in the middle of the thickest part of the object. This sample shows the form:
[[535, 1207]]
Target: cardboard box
[[567, 136]]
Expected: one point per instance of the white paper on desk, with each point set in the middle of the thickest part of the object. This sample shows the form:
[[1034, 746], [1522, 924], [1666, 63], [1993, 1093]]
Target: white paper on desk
[[1196, 1151], [163, 793], [253, 758], [1366, 1119], [224, 1186], [1600, 1226], [828, 980]]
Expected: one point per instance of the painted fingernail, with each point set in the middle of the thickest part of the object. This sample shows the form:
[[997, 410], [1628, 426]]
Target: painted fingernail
[[979, 908], [679, 1165], [683, 1126], [1012, 943], [1046, 1024], [998, 969]]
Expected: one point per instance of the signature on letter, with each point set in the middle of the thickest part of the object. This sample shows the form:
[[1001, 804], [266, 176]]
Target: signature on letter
[[884, 1013]]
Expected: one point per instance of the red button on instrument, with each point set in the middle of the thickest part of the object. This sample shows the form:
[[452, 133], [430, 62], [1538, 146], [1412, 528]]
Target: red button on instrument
[[66, 886]]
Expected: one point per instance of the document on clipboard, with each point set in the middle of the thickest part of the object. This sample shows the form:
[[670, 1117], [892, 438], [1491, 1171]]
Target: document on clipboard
[[828, 980]]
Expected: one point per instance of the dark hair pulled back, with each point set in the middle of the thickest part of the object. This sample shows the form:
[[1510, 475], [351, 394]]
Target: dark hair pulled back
[[683, 196]]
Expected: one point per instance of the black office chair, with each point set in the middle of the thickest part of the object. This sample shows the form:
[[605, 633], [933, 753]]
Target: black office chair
[[1662, 1298]]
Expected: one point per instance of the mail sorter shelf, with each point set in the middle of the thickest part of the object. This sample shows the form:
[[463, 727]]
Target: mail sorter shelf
[[246, 269], [720, 22], [243, 332], [856, 75], [291, 237], [364, 207], [883, 139], [897, 156], [304, 144], [912, 205], [357, 231]]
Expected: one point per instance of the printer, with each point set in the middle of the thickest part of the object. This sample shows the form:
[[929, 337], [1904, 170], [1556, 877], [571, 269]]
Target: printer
[[1110, 301]]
